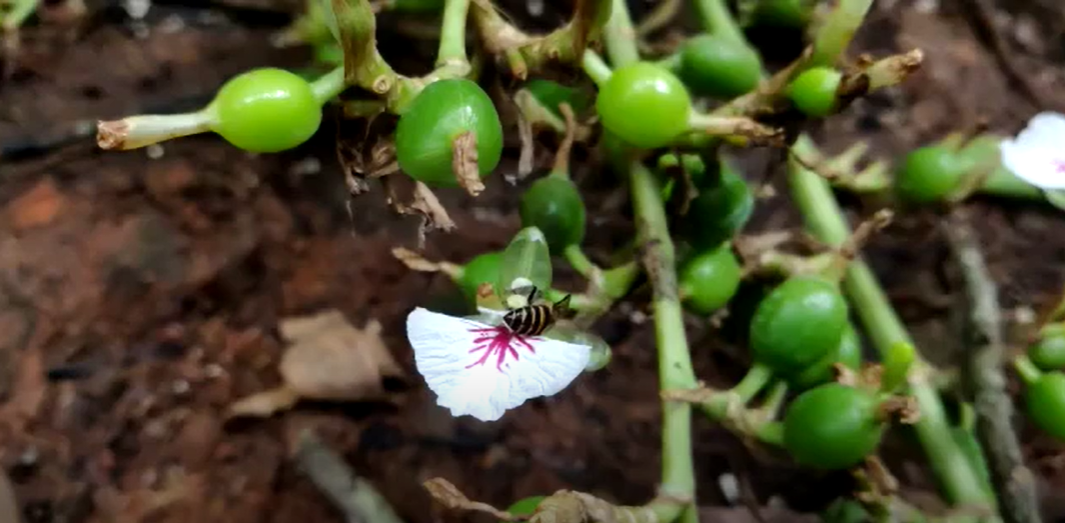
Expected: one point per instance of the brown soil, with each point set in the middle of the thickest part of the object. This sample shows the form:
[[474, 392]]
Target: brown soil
[[139, 297]]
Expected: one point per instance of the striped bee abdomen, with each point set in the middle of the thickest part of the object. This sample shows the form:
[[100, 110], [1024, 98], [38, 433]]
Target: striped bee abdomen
[[530, 320]]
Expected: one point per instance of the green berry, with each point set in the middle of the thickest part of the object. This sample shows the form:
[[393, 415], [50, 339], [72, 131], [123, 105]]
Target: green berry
[[721, 209], [553, 204], [814, 91], [645, 105], [929, 174], [484, 268], [266, 110], [784, 13], [1048, 353], [710, 279], [427, 130], [716, 66], [1045, 403], [832, 427], [798, 323], [553, 94], [848, 352]]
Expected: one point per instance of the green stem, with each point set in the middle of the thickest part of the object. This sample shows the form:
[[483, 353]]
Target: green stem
[[576, 258], [757, 377], [1028, 371], [329, 85], [674, 361], [1001, 182], [671, 62], [620, 36], [825, 220], [139, 131], [453, 33], [595, 67], [718, 20], [839, 27]]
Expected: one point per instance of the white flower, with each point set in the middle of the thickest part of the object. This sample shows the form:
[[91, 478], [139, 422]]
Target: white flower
[[484, 370], [1037, 154]]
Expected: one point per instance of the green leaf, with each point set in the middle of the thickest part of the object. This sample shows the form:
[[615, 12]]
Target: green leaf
[[526, 261]]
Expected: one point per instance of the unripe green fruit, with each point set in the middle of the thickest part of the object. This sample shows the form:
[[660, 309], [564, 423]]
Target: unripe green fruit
[[266, 111], [428, 128], [553, 204], [645, 105], [814, 91], [713, 65]]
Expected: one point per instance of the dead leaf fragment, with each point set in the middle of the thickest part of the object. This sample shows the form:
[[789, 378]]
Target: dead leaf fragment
[[327, 359], [417, 200], [265, 404], [464, 163], [452, 498]]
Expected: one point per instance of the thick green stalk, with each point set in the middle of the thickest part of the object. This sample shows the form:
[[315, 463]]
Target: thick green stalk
[[595, 67], [674, 362], [717, 20], [659, 259], [825, 220], [620, 36], [453, 34], [839, 27], [329, 85]]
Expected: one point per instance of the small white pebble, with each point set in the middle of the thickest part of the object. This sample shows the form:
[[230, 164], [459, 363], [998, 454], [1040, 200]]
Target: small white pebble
[[137, 9], [171, 25], [213, 370], [637, 317], [536, 7], [1024, 315], [180, 387], [926, 6], [154, 151], [307, 167], [730, 487]]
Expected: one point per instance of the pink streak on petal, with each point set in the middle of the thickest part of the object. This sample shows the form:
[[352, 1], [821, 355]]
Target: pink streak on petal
[[499, 341]]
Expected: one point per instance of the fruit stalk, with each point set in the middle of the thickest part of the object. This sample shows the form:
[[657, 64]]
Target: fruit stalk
[[1013, 482], [329, 85], [595, 67], [674, 361], [620, 37], [825, 220], [838, 29], [717, 20], [452, 51], [659, 260]]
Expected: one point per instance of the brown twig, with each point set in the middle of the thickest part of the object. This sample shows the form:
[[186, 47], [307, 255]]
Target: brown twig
[[352, 495], [982, 334]]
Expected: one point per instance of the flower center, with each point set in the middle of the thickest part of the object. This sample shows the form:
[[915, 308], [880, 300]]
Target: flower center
[[500, 341]]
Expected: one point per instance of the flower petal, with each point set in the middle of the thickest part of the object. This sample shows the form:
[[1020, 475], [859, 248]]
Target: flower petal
[[476, 369], [1041, 167], [1045, 130]]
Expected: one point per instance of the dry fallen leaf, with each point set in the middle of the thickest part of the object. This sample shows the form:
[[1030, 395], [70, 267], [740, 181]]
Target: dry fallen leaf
[[327, 359]]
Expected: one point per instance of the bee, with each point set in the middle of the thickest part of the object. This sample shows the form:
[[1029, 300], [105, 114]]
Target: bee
[[534, 320]]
